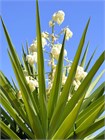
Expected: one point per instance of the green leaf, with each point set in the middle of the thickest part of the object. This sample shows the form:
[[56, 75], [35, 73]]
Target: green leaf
[[41, 76], [11, 95], [82, 116], [83, 61], [100, 136], [94, 127], [6, 116], [15, 87], [56, 88], [27, 47], [8, 131], [88, 64], [16, 117], [85, 83], [35, 97], [4, 135], [15, 58], [94, 83], [31, 113], [4, 96], [35, 123], [64, 95], [90, 119], [27, 66], [12, 49], [97, 93], [68, 122], [78, 94], [87, 112]]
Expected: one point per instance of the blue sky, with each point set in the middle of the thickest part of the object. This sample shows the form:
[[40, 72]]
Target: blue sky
[[19, 17]]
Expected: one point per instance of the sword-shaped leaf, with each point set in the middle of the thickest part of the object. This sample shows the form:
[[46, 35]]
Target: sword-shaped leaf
[[68, 122], [100, 136], [83, 61], [8, 131], [64, 95], [16, 117], [41, 76], [15, 87], [35, 123], [82, 116], [81, 90], [7, 117], [90, 119], [27, 66], [56, 88], [88, 64], [11, 95], [31, 113], [97, 93], [99, 123], [87, 112], [94, 83]]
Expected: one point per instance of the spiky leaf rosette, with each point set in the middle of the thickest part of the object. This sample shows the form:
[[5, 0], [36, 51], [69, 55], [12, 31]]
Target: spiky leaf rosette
[[69, 108]]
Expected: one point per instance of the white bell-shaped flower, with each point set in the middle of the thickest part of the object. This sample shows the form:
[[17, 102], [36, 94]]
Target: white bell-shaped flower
[[33, 83], [58, 17], [44, 42], [33, 46], [45, 35], [69, 33], [75, 85], [56, 51], [51, 23], [32, 58], [35, 56], [80, 74]]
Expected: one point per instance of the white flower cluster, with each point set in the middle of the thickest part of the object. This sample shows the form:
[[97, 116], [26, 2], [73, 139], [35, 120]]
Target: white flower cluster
[[56, 51], [33, 46], [80, 75], [32, 57], [33, 83], [53, 49], [58, 17]]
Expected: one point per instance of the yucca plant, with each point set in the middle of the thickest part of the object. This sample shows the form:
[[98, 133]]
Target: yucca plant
[[67, 108]]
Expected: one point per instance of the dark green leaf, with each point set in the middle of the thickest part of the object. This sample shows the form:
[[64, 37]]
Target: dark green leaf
[[56, 88], [41, 76], [88, 64], [8, 131], [83, 61]]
